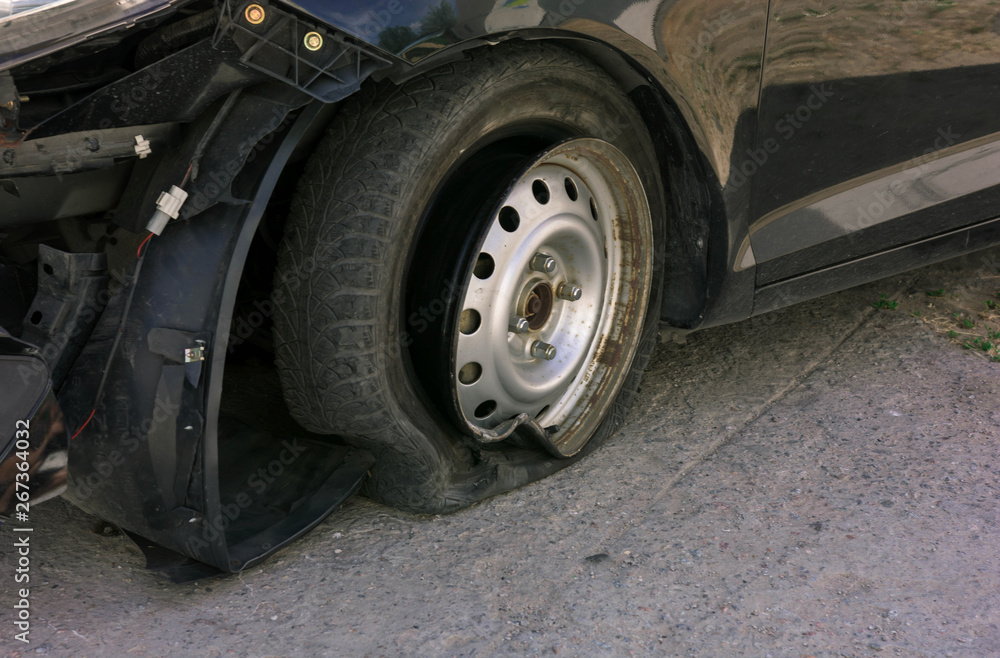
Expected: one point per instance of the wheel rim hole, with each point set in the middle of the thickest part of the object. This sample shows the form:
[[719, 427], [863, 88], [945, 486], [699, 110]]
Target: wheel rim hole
[[571, 190], [48, 269], [36, 317], [486, 409], [470, 321], [541, 191], [538, 306], [470, 374], [509, 219], [484, 266], [593, 209]]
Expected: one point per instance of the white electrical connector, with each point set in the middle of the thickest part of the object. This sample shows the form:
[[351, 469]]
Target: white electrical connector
[[168, 206], [142, 147]]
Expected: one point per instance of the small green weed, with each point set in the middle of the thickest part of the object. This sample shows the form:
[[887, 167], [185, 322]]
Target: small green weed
[[936, 293], [885, 302], [968, 323], [978, 344]]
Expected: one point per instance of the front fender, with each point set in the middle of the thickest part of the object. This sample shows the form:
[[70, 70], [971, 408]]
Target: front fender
[[702, 57]]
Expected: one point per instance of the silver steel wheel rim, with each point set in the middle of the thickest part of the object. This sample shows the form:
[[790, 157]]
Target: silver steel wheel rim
[[575, 224]]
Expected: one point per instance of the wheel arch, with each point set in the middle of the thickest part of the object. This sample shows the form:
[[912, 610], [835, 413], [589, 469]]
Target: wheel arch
[[696, 250]]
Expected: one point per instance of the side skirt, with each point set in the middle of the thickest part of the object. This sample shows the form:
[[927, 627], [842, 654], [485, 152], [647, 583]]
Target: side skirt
[[871, 268]]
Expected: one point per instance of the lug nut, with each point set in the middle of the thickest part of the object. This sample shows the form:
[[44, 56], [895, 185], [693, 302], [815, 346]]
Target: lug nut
[[313, 41], [518, 324], [569, 292], [543, 263], [254, 14], [541, 350]]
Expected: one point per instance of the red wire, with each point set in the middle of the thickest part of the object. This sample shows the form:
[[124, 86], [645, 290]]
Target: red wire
[[138, 252], [84, 425], [142, 244]]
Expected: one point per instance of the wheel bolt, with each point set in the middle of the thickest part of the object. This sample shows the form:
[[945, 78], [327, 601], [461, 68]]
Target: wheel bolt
[[541, 350], [518, 324], [569, 292], [543, 263]]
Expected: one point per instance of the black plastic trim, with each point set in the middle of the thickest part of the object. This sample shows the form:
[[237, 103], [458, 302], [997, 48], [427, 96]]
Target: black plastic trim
[[871, 268]]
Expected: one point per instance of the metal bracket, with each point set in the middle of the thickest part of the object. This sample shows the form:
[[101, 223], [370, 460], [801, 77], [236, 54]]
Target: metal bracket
[[168, 344], [192, 354], [10, 102]]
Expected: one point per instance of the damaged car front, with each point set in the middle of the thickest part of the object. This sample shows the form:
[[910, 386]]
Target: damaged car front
[[117, 119], [34, 440]]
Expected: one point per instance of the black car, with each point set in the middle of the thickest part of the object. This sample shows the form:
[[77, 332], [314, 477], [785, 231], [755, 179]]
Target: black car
[[255, 255]]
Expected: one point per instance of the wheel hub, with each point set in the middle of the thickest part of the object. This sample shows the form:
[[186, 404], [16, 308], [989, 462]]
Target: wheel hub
[[538, 305]]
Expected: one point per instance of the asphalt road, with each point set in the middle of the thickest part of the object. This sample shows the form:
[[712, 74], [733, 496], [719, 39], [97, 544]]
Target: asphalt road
[[821, 481]]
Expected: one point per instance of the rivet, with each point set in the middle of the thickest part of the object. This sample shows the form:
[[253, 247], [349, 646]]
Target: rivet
[[254, 14], [313, 41]]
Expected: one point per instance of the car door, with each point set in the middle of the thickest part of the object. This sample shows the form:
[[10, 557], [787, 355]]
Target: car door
[[878, 126]]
